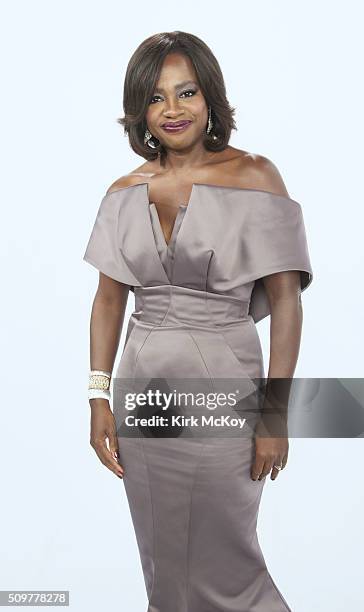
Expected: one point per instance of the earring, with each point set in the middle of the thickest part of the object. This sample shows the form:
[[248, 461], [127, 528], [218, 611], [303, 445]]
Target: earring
[[209, 123], [148, 139]]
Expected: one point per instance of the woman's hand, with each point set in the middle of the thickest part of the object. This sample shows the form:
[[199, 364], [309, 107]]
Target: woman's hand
[[103, 427], [268, 453]]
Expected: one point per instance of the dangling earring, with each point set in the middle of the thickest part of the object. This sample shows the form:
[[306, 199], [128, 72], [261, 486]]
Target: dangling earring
[[209, 123], [148, 139]]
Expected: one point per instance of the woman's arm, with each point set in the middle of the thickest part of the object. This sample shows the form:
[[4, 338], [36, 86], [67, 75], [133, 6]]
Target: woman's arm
[[283, 291], [107, 317], [271, 438]]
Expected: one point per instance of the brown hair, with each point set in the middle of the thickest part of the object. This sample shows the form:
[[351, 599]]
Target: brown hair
[[142, 75]]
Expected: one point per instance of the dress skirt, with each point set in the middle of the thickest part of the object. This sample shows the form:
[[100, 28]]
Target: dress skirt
[[194, 508]]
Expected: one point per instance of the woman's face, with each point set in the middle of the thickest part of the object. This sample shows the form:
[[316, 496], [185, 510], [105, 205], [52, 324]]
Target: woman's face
[[177, 98]]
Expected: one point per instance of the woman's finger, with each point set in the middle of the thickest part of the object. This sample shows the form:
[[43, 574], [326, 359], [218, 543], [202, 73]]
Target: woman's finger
[[257, 467], [106, 457], [275, 469], [268, 464]]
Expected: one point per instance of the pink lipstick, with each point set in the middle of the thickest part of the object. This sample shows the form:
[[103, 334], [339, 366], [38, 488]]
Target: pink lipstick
[[173, 127]]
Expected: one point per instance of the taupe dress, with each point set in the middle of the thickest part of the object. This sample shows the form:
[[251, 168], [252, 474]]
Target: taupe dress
[[193, 503]]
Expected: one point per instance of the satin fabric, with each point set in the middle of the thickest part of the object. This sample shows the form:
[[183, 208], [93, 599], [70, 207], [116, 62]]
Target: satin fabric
[[193, 503]]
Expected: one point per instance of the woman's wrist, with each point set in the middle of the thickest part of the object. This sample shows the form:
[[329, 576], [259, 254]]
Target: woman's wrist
[[98, 403]]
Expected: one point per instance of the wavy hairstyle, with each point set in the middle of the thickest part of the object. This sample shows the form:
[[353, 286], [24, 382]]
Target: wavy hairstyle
[[140, 81]]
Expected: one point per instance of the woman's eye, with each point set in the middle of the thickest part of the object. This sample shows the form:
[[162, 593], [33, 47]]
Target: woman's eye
[[192, 91], [152, 100]]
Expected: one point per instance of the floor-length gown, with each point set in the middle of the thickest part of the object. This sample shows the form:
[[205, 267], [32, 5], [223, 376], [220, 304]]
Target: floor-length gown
[[193, 503]]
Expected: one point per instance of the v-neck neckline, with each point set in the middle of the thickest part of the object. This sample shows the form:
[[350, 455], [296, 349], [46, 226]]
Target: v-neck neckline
[[148, 223], [176, 227]]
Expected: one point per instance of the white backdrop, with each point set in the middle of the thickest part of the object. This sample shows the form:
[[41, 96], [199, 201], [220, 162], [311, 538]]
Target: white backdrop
[[292, 71]]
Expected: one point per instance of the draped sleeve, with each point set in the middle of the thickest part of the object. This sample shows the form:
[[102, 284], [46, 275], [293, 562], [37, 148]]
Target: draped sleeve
[[275, 241], [103, 248]]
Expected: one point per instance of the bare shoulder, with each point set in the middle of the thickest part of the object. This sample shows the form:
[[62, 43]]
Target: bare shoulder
[[139, 175], [125, 181], [259, 172]]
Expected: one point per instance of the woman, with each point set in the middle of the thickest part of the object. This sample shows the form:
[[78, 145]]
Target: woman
[[210, 242]]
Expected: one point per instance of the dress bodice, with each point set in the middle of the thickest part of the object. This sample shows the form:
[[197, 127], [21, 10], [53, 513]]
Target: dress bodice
[[223, 242]]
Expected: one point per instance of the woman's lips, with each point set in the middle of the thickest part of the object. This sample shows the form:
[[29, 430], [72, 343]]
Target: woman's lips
[[179, 128]]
